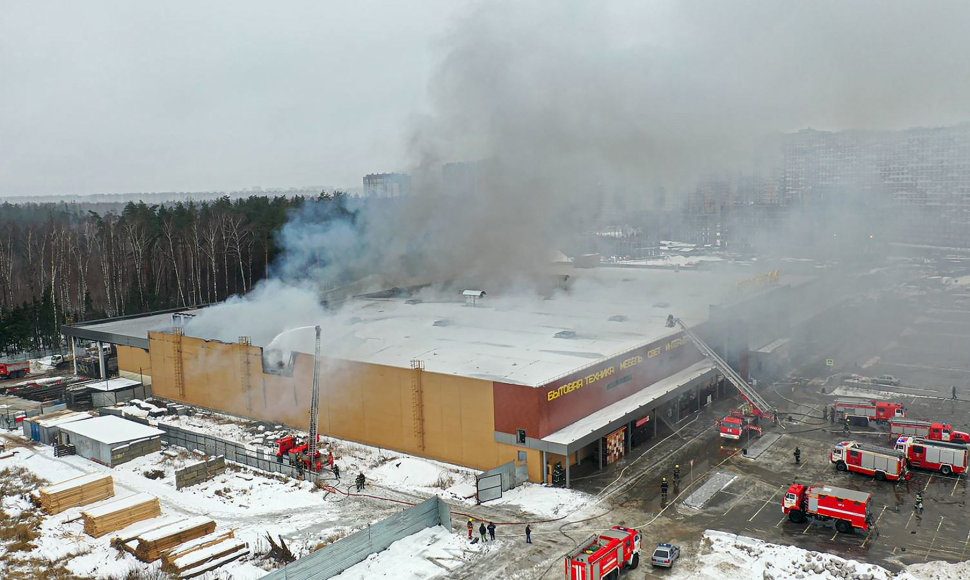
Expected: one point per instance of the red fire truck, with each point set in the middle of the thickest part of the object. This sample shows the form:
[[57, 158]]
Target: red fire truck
[[848, 508], [603, 555], [939, 456], [927, 430], [737, 424], [296, 451], [870, 410], [14, 370], [878, 462]]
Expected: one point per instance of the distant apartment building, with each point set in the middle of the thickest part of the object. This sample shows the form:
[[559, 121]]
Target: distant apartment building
[[910, 186], [919, 177], [385, 185]]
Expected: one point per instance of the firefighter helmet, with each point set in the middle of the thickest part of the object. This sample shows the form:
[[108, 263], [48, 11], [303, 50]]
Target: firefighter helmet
[[664, 479]]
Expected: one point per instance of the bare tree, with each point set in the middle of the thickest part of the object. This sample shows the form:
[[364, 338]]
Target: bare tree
[[170, 235]]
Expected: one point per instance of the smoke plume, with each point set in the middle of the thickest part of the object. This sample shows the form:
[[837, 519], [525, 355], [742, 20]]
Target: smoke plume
[[572, 114]]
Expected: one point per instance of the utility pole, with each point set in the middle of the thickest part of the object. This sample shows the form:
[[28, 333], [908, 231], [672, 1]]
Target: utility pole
[[314, 404]]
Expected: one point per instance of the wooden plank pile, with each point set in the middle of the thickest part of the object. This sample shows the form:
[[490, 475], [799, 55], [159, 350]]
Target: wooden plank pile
[[150, 544], [119, 514], [76, 491], [203, 554]]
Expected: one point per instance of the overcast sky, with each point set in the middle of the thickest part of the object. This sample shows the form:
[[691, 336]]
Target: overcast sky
[[101, 97]]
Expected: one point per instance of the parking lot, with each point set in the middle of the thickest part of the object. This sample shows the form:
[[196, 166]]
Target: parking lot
[[924, 343]]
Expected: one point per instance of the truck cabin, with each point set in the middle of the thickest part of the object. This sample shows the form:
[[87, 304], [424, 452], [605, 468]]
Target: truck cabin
[[793, 497], [890, 410], [944, 432]]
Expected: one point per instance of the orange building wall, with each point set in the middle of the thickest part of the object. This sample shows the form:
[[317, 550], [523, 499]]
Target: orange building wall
[[134, 363], [367, 403]]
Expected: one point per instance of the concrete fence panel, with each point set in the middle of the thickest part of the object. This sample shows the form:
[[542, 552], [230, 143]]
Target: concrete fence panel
[[355, 548]]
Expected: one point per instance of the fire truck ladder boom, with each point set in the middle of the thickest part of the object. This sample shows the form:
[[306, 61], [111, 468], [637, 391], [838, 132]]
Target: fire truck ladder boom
[[749, 394], [314, 404]]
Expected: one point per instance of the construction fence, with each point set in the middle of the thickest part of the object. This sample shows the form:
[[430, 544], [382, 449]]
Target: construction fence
[[231, 451], [334, 558], [8, 417], [492, 483]]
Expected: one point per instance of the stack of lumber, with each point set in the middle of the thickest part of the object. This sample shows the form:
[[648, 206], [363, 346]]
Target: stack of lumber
[[77, 491], [120, 513], [150, 545], [207, 559], [203, 554], [127, 536]]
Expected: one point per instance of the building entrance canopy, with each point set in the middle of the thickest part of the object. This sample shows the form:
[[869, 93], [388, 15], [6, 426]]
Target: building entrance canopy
[[587, 430]]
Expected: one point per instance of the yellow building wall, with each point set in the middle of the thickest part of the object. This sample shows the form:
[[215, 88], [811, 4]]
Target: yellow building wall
[[367, 403], [134, 363]]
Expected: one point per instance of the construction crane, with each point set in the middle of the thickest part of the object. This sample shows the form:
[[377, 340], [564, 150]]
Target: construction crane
[[314, 403], [759, 405]]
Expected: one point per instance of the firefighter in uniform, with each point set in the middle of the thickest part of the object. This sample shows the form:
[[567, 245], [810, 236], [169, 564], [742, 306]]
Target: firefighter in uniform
[[676, 475], [919, 502], [663, 489], [798, 455], [845, 426]]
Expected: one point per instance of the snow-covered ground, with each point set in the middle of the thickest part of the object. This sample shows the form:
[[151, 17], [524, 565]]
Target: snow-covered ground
[[727, 556], [431, 553], [255, 504]]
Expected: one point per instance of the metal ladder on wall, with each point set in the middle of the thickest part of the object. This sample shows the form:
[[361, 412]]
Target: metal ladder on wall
[[746, 390], [244, 343], [417, 402], [179, 375]]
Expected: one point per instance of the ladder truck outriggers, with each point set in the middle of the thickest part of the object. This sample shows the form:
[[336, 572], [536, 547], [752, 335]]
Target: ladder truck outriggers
[[848, 508], [878, 462], [738, 421]]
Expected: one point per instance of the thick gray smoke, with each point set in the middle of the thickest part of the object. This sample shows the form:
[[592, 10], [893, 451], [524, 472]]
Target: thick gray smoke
[[571, 113]]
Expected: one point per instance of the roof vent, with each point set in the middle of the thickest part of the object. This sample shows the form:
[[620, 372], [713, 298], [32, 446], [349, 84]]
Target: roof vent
[[618, 318], [472, 296], [566, 334], [442, 322]]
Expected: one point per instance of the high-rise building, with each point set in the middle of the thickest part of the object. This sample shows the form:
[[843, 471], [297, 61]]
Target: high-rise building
[[387, 185]]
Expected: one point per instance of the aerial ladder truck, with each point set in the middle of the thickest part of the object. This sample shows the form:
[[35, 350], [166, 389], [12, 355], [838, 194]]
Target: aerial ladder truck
[[760, 409], [306, 455]]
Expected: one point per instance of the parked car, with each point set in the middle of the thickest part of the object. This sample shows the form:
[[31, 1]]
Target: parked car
[[665, 555], [886, 380]]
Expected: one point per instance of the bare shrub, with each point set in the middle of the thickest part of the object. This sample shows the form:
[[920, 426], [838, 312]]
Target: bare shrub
[[445, 480]]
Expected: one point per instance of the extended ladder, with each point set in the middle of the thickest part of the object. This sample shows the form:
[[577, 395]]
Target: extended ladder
[[314, 404], [749, 394]]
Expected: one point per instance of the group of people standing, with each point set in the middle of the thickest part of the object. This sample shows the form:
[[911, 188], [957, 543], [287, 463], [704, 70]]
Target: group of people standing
[[490, 530]]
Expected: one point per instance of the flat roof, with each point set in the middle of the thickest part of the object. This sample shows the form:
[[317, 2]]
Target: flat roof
[[115, 384], [128, 331], [110, 429], [59, 418], [524, 340], [513, 337]]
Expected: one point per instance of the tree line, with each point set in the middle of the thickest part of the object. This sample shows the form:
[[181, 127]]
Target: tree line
[[59, 264]]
